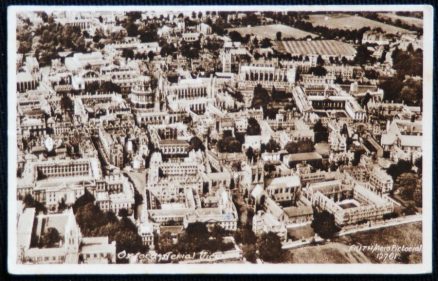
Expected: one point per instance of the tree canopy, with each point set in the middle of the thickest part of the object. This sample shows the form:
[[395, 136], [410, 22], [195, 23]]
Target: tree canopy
[[253, 128], [301, 146], [269, 246], [50, 238], [261, 97], [196, 144], [324, 224]]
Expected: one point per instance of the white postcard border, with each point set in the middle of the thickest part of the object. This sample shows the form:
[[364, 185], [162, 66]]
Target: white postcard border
[[424, 267]]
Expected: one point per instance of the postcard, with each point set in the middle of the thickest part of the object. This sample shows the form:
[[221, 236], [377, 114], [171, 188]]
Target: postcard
[[220, 139]]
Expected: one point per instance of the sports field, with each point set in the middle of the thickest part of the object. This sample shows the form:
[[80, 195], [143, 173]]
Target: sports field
[[270, 31], [350, 22], [319, 47], [407, 20], [327, 253]]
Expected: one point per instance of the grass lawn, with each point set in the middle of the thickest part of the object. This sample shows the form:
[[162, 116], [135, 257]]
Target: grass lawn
[[350, 22], [405, 234], [327, 253], [270, 31], [407, 20], [297, 233]]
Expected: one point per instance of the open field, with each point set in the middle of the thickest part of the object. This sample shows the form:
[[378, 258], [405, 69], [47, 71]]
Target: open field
[[270, 31], [300, 232], [327, 253], [319, 47], [350, 22], [400, 235], [407, 20]]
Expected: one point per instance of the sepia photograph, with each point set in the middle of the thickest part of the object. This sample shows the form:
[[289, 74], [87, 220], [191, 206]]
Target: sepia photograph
[[214, 139]]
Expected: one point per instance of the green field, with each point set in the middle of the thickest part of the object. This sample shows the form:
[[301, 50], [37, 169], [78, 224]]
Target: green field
[[405, 234], [270, 31], [407, 20], [300, 232], [319, 47], [327, 253], [340, 250], [350, 22]]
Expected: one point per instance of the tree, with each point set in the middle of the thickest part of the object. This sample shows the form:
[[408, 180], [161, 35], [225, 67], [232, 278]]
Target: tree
[[301, 146], [217, 232], [89, 218], [406, 183], [357, 156], [363, 55], [109, 87], [30, 202], [418, 197], [250, 154], [50, 238], [86, 198], [128, 53], [235, 36], [253, 128], [391, 89], [196, 144], [123, 213], [131, 29], [402, 166], [321, 132], [272, 146], [265, 43], [366, 99], [127, 237], [62, 206], [319, 61], [194, 239], [412, 92], [44, 16], [419, 165], [318, 70], [261, 97], [255, 42], [269, 246], [278, 36], [248, 236], [229, 144], [371, 74], [151, 55], [249, 252], [410, 209], [324, 224], [165, 243], [232, 184], [408, 63]]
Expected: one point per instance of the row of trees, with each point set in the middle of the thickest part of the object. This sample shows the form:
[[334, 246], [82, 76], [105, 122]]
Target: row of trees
[[331, 33], [229, 144], [104, 87], [301, 146], [401, 87], [94, 222], [54, 38], [195, 238], [268, 245], [396, 22]]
